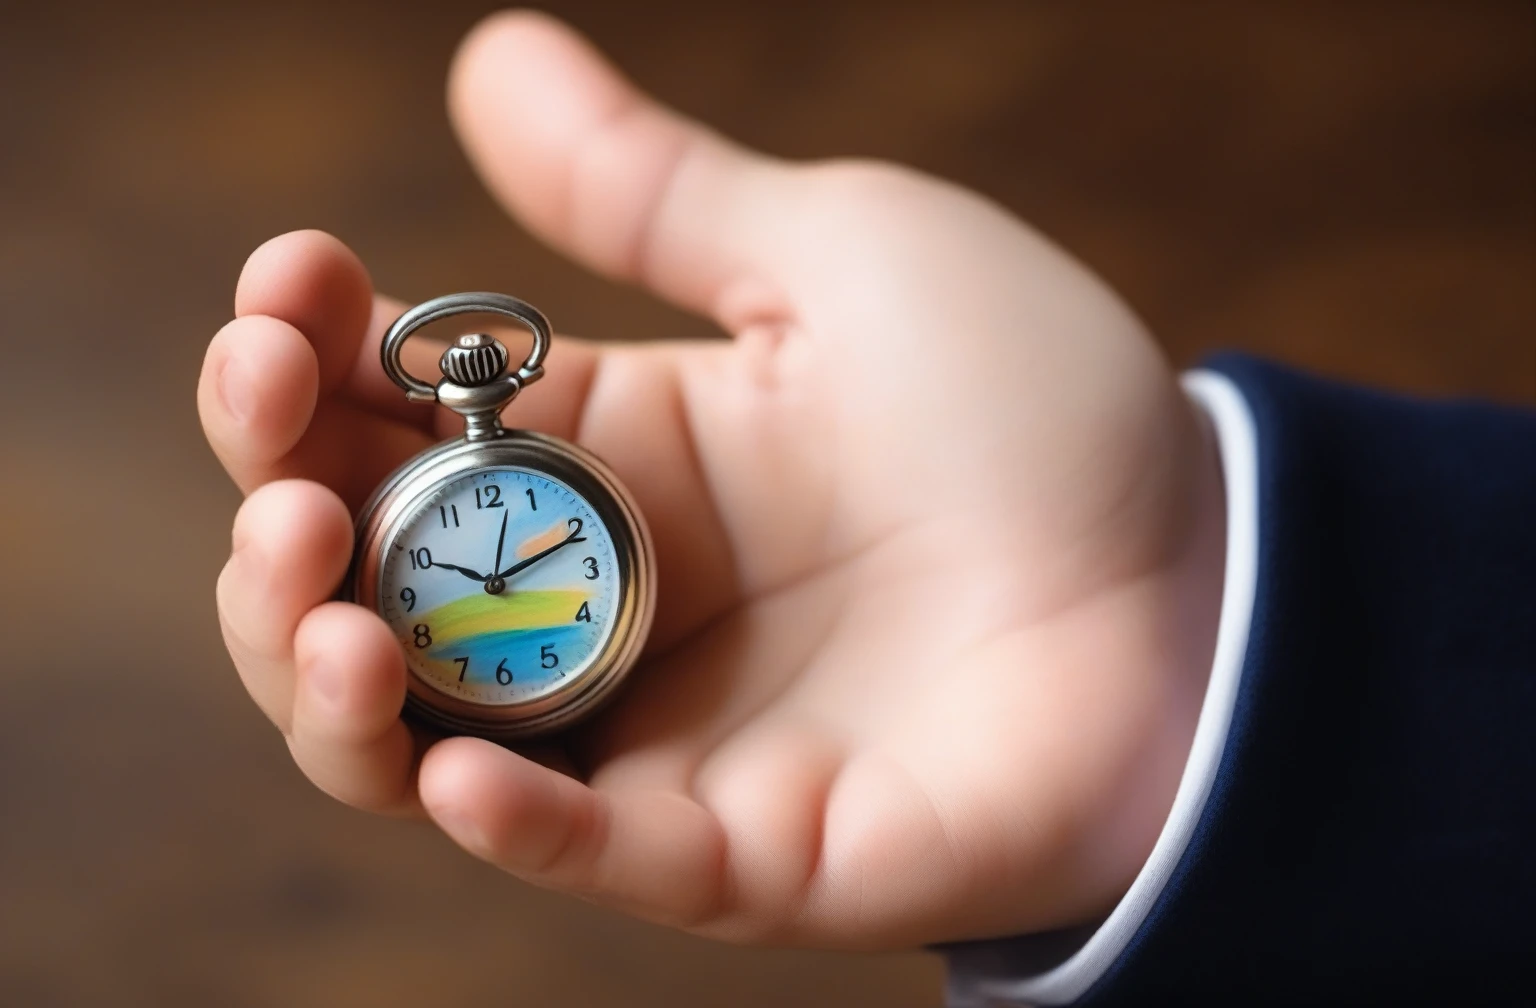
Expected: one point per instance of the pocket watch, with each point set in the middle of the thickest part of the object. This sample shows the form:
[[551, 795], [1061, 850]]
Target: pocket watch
[[513, 567]]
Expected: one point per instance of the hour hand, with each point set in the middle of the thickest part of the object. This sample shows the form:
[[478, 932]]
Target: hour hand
[[472, 575]]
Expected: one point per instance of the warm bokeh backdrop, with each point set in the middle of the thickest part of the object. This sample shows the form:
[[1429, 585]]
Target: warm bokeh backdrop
[[1347, 186]]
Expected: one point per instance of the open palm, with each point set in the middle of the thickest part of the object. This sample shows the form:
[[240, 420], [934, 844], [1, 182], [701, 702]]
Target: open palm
[[938, 537]]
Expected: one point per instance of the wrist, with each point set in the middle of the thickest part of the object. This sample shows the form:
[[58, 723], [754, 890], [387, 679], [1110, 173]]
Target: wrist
[[1059, 968], [1170, 626]]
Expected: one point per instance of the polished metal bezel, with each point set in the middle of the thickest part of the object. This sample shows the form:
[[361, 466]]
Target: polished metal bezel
[[383, 517]]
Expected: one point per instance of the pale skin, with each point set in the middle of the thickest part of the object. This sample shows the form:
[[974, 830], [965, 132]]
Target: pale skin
[[940, 540]]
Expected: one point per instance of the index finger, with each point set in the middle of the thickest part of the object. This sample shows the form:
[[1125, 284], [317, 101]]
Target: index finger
[[603, 172]]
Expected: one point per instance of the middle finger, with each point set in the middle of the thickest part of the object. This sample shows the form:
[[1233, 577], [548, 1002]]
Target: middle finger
[[292, 542]]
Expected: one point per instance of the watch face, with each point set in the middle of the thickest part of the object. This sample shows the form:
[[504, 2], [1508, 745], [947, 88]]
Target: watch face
[[502, 586]]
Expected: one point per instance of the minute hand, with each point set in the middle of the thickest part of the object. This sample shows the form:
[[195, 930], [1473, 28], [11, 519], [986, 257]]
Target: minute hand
[[540, 555]]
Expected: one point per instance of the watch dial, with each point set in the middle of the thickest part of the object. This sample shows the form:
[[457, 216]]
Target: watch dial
[[502, 586]]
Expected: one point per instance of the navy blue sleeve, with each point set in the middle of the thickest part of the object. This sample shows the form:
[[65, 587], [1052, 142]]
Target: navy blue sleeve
[[1371, 836]]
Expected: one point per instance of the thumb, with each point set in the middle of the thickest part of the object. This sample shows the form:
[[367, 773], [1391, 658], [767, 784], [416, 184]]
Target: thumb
[[602, 172]]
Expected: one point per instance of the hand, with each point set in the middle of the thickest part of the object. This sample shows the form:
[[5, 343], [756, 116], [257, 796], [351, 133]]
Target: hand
[[540, 555], [939, 538]]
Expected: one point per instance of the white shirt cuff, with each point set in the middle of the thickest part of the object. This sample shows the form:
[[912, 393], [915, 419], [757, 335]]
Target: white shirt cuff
[[1237, 441]]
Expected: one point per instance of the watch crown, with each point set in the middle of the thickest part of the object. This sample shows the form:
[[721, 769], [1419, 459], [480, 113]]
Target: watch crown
[[476, 359]]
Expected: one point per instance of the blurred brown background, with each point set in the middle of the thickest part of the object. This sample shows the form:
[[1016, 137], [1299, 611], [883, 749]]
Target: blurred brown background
[[1347, 186]]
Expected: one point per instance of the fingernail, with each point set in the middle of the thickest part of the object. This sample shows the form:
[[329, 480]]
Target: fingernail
[[239, 570], [462, 828], [246, 563], [326, 680], [235, 389]]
